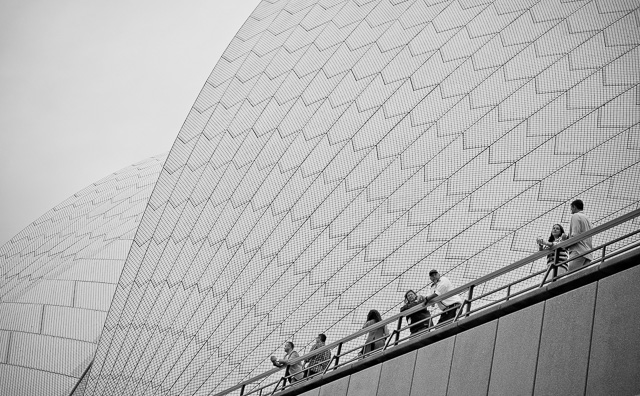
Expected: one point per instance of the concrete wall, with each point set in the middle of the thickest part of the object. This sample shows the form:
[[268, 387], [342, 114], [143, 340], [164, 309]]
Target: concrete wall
[[583, 342]]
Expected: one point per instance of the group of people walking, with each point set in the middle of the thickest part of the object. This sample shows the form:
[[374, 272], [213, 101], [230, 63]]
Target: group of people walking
[[572, 257]]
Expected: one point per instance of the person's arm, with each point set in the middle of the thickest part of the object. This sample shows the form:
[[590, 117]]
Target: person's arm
[[275, 361], [404, 308], [292, 356], [431, 296], [547, 244], [306, 361], [573, 223], [442, 287], [368, 323]]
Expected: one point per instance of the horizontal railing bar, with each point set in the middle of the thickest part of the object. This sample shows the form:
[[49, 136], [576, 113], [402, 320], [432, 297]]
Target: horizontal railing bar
[[497, 273], [617, 252], [596, 261], [494, 291], [622, 237], [261, 388], [508, 285], [543, 253]]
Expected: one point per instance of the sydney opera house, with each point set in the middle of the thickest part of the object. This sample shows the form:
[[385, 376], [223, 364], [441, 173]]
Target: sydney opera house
[[339, 150]]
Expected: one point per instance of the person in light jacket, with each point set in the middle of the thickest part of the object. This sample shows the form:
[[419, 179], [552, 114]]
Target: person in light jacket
[[376, 338], [295, 370]]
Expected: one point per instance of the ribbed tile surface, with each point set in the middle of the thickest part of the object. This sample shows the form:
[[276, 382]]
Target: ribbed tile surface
[[341, 149], [57, 279]]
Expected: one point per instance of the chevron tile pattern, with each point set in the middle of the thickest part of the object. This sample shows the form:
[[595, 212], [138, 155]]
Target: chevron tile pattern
[[342, 148], [57, 279]]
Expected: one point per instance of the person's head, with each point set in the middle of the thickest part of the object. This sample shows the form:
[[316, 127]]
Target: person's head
[[410, 296], [434, 275], [577, 206], [374, 315], [556, 232], [288, 346], [321, 338]]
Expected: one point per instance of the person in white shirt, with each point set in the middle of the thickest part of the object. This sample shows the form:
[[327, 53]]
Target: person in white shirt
[[439, 286], [579, 224]]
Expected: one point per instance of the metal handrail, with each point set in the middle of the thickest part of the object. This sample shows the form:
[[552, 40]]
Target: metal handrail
[[469, 288]]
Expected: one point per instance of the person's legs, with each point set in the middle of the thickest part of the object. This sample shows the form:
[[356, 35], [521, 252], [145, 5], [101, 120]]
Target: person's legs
[[418, 328], [450, 313], [578, 262], [562, 269], [379, 344], [445, 317], [549, 273]]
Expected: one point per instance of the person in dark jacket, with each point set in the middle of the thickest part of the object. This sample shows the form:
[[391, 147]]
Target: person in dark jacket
[[420, 320]]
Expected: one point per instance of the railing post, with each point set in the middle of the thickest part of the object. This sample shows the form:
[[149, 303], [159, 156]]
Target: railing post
[[459, 311], [275, 388], [509, 292], [604, 252], [284, 379], [398, 331], [388, 340], [338, 352], [242, 390], [556, 255], [469, 298], [333, 358]]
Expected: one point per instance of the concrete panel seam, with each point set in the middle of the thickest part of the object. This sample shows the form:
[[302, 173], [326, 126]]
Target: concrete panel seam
[[415, 362], [535, 369], [593, 319], [453, 348], [41, 370], [493, 352], [379, 376], [54, 336], [60, 306]]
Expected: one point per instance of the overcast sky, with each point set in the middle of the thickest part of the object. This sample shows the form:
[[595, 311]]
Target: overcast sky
[[90, 87]]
